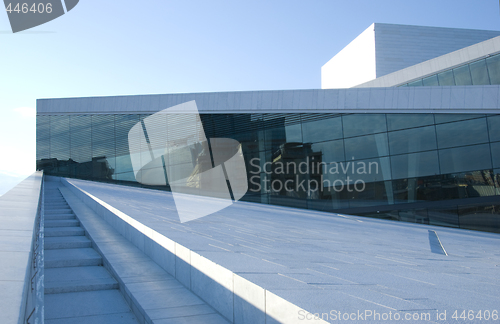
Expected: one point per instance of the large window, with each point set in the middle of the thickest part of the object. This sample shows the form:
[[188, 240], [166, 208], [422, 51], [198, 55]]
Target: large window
[[396, 159]]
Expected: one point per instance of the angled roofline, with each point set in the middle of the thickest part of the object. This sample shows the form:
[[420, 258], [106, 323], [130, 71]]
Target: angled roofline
[[433, 66]]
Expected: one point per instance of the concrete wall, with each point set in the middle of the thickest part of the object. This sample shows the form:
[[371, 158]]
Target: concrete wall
[[456, 99], [18, 215]]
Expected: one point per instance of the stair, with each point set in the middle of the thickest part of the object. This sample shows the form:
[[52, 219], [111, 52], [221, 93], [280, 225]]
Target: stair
[[77, 286]]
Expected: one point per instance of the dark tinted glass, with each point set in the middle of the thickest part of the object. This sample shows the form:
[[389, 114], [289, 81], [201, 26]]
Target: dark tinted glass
[[468, 158], [462, 75], [443, 217], [479, 73], [412, 140], [369, 170], [415, 165], [322, 130], [467, 132], [479, 217], [402, 121], [332, 151], [495, 154], [445, 118], [494, 127], [362, 124], [366, 146]]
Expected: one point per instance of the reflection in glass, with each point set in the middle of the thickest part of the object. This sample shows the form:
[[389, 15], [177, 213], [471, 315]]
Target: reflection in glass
[[322, 130], [462, 75], [495, 154], [361, 124], [415, 165], [494, 68], [367, 146], [462, 133], [446, 78], [494, 128], [430, 81], [479, 73], [402, 121], [412, 140], [468, 158], [417, 83]]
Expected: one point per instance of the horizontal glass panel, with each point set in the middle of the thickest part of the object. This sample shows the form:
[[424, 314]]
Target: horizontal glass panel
[[412, 140], [402, 121], [446, 78], [322, 130], [494, 128], [445, 118], [468, 158], [494, 68], [362, 124], [479, 73], [430, 81], [417, 83], [368, 146], [462, 133], [495, 154], [462, 75], [415, 165]]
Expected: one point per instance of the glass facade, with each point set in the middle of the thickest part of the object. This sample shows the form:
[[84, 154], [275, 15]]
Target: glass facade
[[441, 169], [482, 72]]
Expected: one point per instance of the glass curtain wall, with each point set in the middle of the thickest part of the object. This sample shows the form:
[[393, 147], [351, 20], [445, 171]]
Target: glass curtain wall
[[441, 169]]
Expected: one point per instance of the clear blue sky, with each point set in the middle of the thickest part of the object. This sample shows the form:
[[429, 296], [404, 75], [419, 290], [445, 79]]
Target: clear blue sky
[[159, 46]]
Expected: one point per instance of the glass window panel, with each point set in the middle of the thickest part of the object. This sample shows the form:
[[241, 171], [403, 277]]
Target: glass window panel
[[369, 170], [415, 165], [479, 73], [275, 137], [468, 158], [430, 81], [402, 121], [495, 154], [414, 216], [446, 78], [81, 136], [443, 216], [322, 130], [329, 151], [327, 155], [494, 127], [417, 83], [494, 68], [462, 133], [445, 118], [362, 124], [496, 180], [462, 75], [373, 194], [412, 140], [368, 146], [293, 133], [484, 217]]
